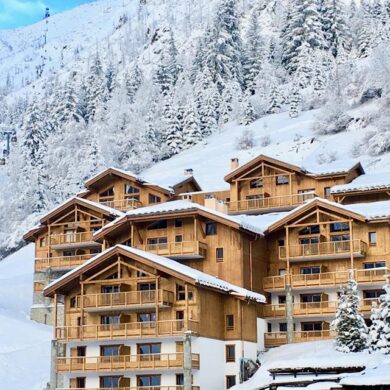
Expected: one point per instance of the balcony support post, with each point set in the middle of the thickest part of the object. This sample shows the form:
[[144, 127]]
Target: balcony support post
[[187, 364], [351, 242], [289, 313]]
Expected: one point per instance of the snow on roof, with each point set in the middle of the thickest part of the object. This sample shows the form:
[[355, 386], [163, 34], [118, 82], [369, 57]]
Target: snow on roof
[[326, 385], [372, 181], [87, 202], [244, 221], [314, 354], [331, 168], [200, 278], [374, 376], [372, 211]]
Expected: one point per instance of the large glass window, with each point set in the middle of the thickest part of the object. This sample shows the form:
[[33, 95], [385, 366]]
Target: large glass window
[[311, 326], [339, 227], [376, 264], [107, 193], [154, 199], [147, 317], [310, 270], [313, 229], [256, 183], [129, 189], [149, 349], [108, 320], [161, 224], [109, 382], [282, 180], [148, 380], [310, 298], [109, 350]]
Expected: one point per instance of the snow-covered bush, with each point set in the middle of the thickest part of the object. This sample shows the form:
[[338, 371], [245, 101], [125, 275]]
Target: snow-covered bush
[[349, 323], [332, 119], [246, 140], [265, 141]]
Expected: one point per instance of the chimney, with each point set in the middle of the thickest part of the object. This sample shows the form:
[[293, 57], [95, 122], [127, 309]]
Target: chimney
[[188, 172], [233, 163]]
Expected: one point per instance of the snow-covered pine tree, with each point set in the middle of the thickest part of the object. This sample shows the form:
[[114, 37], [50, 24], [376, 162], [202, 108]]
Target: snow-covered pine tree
[[334, 26], [303, 29], [295, 101], [275, 99], [254, 48], [379, 332], [94, 87], [133, 81], [192, 133], [365, 37], [172, 133], [349, 323], [248, 112]]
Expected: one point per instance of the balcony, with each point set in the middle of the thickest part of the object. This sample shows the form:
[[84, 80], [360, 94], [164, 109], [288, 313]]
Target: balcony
[[72, 240], [125, 363], [61, 262], [125, 330], [325, 279], [126, 300], [177, 250], [267, 204], [122, 204], [324, 250], [135, 388], [307, 309], [275, 339]]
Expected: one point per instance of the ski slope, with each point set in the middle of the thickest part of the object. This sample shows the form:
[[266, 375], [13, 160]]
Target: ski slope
[[24, 345]]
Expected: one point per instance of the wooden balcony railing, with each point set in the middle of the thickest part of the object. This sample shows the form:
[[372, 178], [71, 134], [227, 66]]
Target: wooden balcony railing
[[125, 330], [271, 202], [177, 249], [125, 362], [71, 238], [305, 309], [326, 279], [322, 250], [61, 262], [135, 388], [128, 299], [274, 339], [122, 204]]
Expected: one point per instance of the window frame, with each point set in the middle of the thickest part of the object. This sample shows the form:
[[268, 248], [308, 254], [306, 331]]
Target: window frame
[[230, 357], [229, 322], [228, 383], [370, 241], [218, 257], [282, 180], [213, 231]]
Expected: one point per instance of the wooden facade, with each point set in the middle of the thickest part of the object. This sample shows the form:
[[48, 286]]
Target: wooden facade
[[266, 184]]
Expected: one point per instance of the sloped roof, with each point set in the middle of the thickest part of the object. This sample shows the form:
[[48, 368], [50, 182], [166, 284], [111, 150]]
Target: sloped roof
[[315, 170], [163, 264], [177, 206], [367, 182]]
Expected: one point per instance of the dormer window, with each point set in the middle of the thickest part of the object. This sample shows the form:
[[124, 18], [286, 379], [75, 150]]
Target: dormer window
[[256, 183], [282, 180]]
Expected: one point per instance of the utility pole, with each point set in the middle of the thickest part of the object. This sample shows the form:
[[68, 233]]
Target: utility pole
[[187, 360]]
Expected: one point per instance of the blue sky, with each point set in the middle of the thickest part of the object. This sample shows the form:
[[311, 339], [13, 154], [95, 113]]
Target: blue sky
[[16, 13]]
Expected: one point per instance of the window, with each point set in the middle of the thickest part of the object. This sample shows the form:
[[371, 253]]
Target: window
[[146, 286], [158, 241], [178, 223], [68, 253], [256, 183], [108, 320], [327, 191], [141, 274], [110, 350], [377, 264], [211, 228], [373, 294], [162, 224], [280, 242], [372, 238], [129, 189], [311, 326], [80, 383], [109, 382], [179, 238], [107, 193], [269, 327], [282, 299], [179, 379], [154, 199], [230, 353], [147, 317], [281, 180], [282, 271], [219, 254], [312, 240], [42, 242], [313, 229], [310, 270], [73, 302], [230, 381], [149, 348], [110, 289], [340, 237], [180, 292], [283, 327], [310, 298], [81, 351], [148, 380], [339, 227], [229, 322], [94, 251]]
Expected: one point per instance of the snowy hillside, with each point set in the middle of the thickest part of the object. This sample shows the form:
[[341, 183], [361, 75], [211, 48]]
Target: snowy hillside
[[24, 345], [143, 85]]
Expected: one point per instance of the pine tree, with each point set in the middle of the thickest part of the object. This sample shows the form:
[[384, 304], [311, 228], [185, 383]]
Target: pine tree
[[248, 114], [349, 323], [173, 133], [94, 88], [295, 101], [365, 37], [379, 333], [133, 82], [334, 26], [275, 99], [192, 133]]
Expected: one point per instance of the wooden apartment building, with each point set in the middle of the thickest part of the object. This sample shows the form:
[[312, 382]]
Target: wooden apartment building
[[176, 258]]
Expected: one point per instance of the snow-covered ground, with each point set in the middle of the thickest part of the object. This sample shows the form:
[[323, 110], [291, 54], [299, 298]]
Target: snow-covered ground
[[316, 354], [291, 140], [24, 345]]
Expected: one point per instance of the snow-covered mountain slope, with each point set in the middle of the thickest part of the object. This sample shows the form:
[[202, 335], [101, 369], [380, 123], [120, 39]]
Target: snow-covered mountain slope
[[24, 345], [277, 135]]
